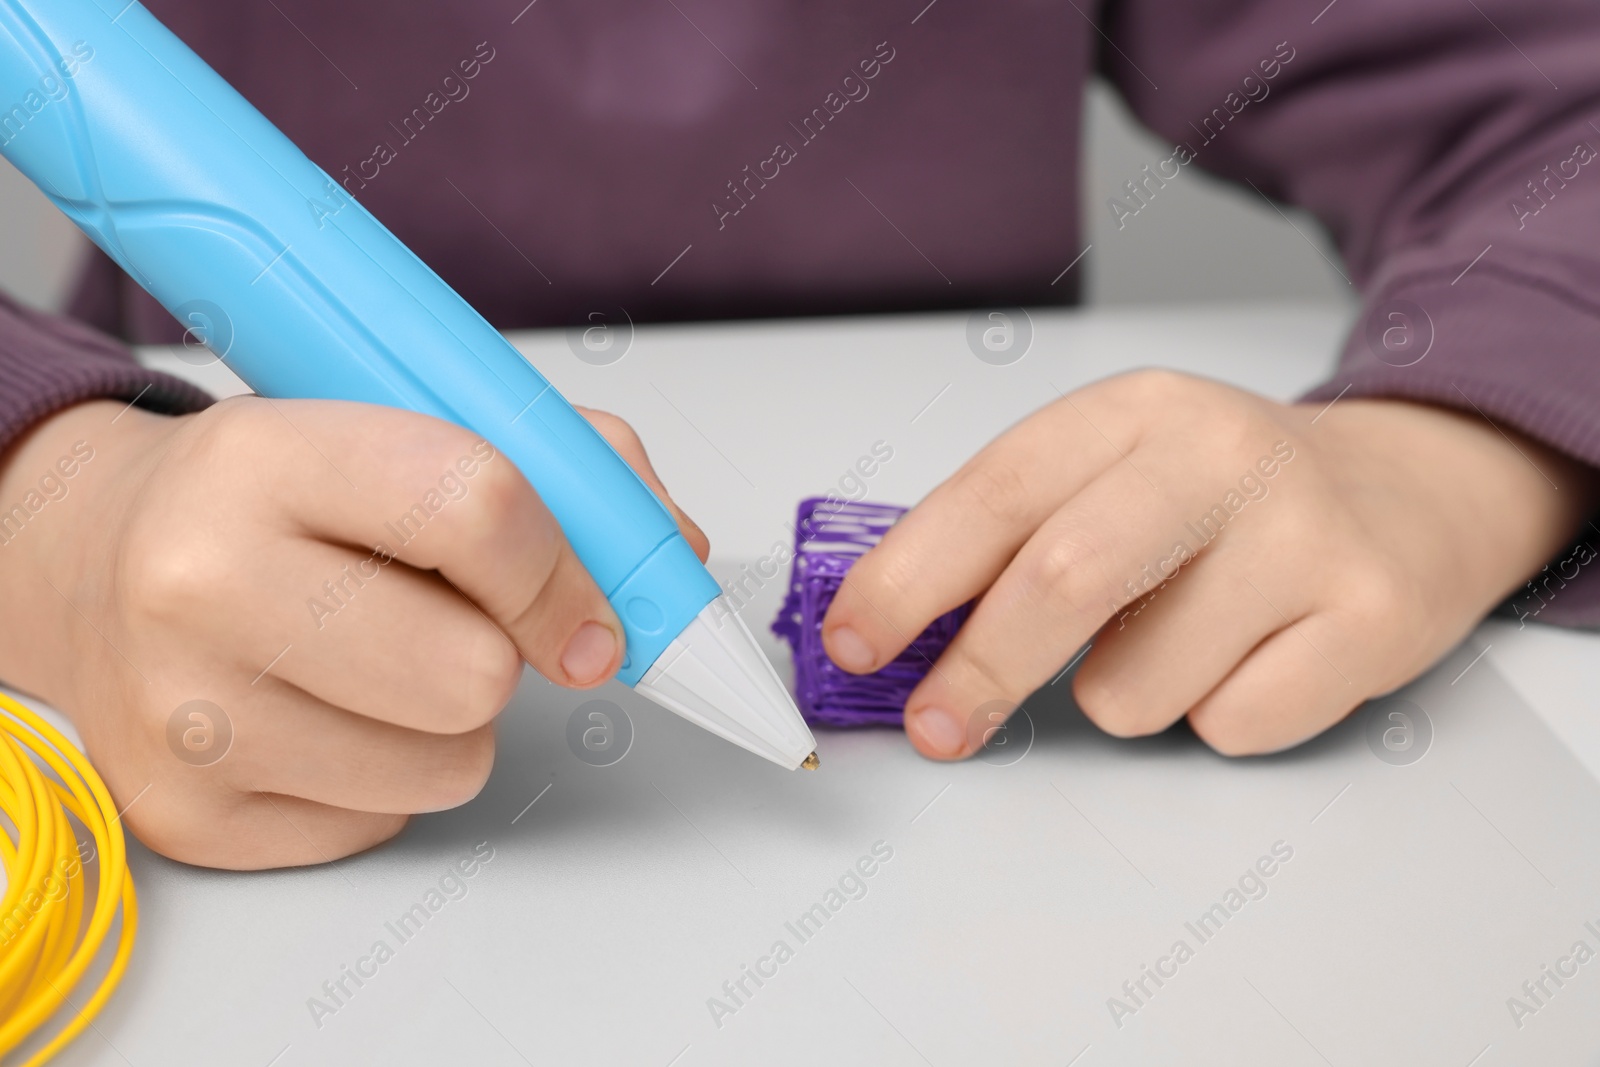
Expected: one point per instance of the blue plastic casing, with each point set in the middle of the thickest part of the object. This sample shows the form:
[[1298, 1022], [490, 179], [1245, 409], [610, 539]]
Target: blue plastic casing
[[195, 194]]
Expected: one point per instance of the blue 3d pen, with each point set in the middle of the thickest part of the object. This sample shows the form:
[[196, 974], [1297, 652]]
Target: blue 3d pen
[[303, 293]]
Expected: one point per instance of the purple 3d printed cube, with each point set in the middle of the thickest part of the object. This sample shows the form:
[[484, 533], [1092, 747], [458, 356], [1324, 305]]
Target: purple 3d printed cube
[[830, 535]]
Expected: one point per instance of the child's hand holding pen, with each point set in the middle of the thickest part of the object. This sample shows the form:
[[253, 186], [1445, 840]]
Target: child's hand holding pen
[[357, 588]]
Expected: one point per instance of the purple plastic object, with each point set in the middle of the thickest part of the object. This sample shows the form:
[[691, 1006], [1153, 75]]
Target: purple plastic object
[[830, 535]]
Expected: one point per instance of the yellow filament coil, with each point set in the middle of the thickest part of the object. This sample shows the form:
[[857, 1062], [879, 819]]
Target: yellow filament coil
[[45, 944]]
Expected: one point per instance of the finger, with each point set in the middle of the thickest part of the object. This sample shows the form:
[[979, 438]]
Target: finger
[[1300, 681], [254, 832], [439, 498], [956, 542], [627, 443], [1094, 555], [1159, 655], [289, 743], [366, 632]]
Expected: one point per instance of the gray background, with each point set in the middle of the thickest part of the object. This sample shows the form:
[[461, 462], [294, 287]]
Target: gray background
[[1200, 239]]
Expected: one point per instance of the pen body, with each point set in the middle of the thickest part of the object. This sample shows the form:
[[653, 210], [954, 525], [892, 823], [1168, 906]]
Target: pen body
[[301, 291]]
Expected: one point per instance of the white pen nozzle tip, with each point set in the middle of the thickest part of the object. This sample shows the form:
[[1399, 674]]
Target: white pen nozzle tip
[[715, 675]]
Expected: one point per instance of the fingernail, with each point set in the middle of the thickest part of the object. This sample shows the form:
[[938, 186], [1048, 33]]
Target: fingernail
[[850, 651], [588, 653], [939, 731]]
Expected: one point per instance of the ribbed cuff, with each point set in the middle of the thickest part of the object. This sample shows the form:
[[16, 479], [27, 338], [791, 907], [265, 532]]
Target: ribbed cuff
[[48, 363], [1517, 350]]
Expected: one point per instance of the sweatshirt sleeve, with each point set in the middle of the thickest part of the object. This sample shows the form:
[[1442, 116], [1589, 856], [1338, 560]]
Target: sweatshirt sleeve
[[48, 363], [1449, 147]]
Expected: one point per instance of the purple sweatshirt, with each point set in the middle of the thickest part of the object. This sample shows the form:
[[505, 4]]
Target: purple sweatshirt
[[732, 158]]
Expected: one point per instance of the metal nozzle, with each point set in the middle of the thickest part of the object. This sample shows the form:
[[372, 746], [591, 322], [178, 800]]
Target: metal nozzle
[[811, 762]]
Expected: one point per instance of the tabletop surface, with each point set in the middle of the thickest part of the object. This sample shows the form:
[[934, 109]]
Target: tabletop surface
[[995, 911]]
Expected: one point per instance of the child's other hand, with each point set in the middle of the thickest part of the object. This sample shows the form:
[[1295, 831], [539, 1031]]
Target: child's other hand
[[234, 557], [1354, 551]]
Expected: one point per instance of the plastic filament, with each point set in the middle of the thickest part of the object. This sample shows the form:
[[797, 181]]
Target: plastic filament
[[51, 927], [830, 535]]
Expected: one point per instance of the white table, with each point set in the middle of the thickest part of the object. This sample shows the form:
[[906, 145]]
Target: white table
[[741, 421]]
